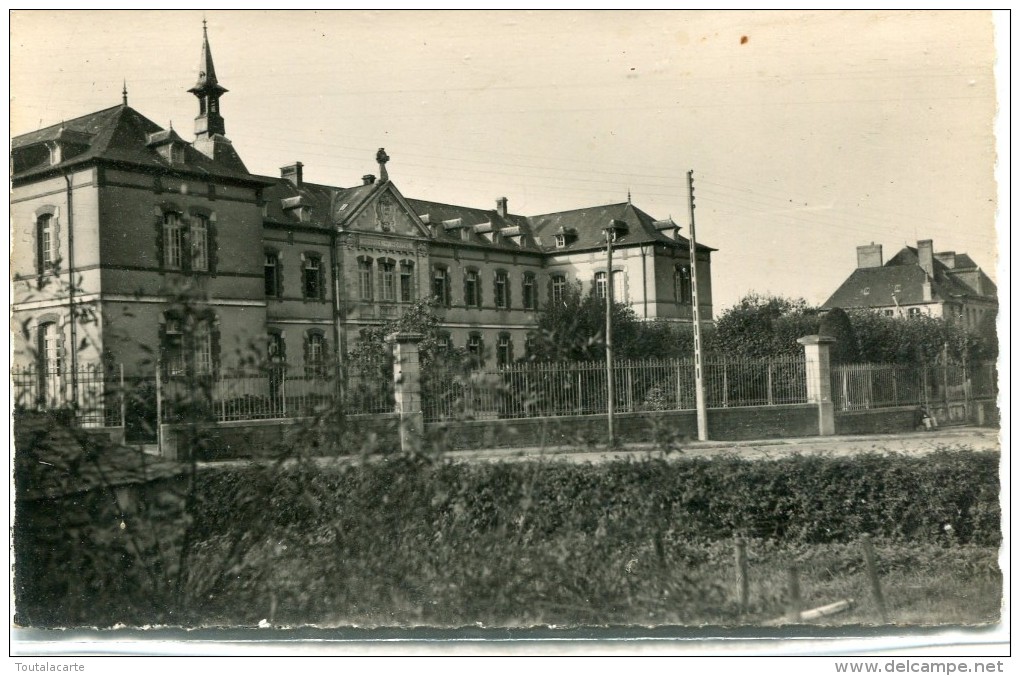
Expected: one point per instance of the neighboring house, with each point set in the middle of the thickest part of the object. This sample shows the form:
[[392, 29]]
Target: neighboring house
[[918, 281], [111, 212]]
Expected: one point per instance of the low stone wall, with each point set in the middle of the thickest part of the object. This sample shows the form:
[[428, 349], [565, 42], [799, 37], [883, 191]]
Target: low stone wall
[[265, 438], [877, 420]]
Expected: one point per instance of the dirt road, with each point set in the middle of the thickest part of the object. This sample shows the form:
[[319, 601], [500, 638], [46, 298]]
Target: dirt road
[[978, 439]]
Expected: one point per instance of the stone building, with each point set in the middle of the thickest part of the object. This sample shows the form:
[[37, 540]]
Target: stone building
[[119, 219], [919, 281]]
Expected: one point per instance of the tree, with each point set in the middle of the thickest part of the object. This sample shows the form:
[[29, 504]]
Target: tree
[[574, 330], [836, 324], [761, 326]]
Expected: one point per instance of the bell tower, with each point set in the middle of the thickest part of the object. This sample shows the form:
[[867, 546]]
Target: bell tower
[[208, 91], [210, 130]]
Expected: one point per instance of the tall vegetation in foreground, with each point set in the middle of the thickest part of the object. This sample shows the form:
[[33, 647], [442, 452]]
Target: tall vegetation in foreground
[[410, 539]]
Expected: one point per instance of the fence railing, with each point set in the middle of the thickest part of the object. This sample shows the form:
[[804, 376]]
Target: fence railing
[[94, 394], [580, 388], [864, 386], [273, 393]]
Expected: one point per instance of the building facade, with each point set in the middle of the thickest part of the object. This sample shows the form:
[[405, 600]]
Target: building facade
[[126, 236], [919, 281]]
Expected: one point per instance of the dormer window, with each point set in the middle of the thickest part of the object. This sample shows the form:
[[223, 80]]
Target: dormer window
[[561, 241]]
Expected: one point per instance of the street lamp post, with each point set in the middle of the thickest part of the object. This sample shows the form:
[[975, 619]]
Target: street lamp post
[[610, 233]]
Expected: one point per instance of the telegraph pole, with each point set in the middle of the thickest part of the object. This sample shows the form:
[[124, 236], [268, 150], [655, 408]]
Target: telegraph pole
[[699, 382], [610, 394]]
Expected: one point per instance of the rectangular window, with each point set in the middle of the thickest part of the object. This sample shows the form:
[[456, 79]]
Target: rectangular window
[[682, 284], [600, 284], [173, 240], [504, 350], [173, 350], [365, 279], [406, 282], [528, 291], [559, 287], [49, 362], [387, 279], [472, 294], [315, 357], [275, 349], [44, 227], [502, 290], [440, 286], [272, 274], [200, 243], [619, 286], [474, 345], [203, 350], [312, 278]]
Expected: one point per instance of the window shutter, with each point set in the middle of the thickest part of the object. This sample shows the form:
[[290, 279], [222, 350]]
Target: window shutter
[[448, 301], [214, 345], [164, 350], [279, 274], [159, 241], [210, 243], [322, 280], [186, 251], [467, 298], [305, 344], [548, 290]]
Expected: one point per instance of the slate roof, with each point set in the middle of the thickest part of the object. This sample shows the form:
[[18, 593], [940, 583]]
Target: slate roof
[[444, 217], [52, 460], [119, 135], [903, 276], [587, 224]]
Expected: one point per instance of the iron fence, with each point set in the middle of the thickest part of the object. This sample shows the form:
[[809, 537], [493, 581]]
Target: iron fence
[[864, 386], [93, 394], [272, 393], [580, 388]]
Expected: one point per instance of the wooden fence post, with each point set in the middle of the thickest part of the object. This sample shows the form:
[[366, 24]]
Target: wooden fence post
[[794, 605], [742, 584], [876, 586]]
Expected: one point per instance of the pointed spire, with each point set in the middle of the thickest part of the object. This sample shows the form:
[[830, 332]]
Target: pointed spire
[[628, 196], [206, 69], [124, 92]]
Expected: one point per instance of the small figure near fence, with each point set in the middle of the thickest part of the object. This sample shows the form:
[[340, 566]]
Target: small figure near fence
[[923, 419]]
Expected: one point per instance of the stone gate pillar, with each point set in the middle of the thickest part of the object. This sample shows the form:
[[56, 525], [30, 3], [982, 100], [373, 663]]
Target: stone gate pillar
[[407, 389], [819, 380]]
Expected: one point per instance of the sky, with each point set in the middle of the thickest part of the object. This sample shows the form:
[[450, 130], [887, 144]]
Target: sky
[[808, 133]]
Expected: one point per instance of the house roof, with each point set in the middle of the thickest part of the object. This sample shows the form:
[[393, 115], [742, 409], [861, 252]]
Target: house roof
[[903, 276], [476, 223], [588, 223], [53, 459], [120, 135]]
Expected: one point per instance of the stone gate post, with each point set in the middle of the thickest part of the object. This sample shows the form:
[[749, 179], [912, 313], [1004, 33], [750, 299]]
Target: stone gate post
[[407, 389], [819, 380]]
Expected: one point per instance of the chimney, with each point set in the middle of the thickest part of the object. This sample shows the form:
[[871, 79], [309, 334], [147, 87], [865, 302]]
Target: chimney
[[924, 256], [501, 206], [368, 179], [869, 256], [947, 258], [293, 173]]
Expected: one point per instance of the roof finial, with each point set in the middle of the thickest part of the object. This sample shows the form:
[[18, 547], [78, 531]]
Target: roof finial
[[382, 158], [124, 92], [171, 125], [205, 32], [628, 195]]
